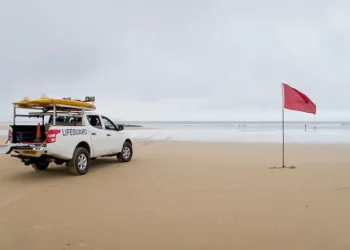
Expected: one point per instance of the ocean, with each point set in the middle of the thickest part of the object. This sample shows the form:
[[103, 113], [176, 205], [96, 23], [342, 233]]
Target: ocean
[[240, 131], [244, 131]]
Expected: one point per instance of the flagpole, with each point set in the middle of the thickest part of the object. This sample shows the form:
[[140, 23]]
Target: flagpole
[[282, 126]]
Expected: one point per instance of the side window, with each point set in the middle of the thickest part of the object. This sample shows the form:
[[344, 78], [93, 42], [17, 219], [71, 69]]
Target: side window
[[78, 121], [94, 121], [66, 120], [108, 124], [71, 119], [61, 119]]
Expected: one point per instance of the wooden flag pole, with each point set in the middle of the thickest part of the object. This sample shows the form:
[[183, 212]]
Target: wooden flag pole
[[282, 125]]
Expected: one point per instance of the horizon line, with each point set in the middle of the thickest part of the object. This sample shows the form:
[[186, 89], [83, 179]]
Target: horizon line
[[216, 121]]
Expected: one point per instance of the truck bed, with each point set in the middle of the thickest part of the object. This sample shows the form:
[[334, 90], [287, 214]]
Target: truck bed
[[26, 133]]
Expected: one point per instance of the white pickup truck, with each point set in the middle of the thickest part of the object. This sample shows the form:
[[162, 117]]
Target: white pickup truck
[[73, 138]]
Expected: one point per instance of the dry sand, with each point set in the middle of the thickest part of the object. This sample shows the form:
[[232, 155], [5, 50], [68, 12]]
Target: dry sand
[[183, 195]]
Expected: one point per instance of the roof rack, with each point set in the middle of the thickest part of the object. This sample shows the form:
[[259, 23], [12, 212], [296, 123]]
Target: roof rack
[[59, 107], [53, 106], [41, 114]]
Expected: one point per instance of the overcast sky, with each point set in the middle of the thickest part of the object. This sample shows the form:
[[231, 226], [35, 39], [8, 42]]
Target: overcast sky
[[178, 60]]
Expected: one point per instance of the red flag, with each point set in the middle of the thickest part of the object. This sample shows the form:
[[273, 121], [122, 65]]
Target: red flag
[[296, 100]]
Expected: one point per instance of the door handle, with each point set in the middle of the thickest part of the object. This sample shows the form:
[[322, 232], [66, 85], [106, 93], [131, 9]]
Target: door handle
[[93, 133], [108, 135]]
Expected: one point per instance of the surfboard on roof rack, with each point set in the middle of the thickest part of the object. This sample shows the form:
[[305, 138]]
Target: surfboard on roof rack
[[60, 103]]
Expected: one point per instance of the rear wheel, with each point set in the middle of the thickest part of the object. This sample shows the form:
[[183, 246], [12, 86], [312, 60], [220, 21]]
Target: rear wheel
[[126, 154], [40, 165], [79, 164]]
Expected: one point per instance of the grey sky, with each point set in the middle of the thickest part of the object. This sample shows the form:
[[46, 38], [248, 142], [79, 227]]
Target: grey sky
[[178, 60]]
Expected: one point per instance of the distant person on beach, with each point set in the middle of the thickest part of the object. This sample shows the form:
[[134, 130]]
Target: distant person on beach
[[305, 127]]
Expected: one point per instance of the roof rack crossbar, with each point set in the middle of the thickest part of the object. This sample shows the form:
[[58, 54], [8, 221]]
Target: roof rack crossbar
[[59, 107], [57, 113]]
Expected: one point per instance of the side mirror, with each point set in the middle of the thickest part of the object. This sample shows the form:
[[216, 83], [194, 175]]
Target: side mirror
[[120, 127]]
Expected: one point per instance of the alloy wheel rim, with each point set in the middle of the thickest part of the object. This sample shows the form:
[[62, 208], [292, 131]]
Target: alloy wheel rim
[[82, 162], [126, 152]]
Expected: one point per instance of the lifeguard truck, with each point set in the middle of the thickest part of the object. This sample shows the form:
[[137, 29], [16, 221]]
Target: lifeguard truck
[[70, 132]]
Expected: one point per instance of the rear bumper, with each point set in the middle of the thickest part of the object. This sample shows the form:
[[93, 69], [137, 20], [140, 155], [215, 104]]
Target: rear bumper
[[26, 150]]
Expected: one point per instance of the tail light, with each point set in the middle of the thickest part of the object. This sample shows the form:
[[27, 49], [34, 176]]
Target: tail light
[[9, 135], [51, 135]]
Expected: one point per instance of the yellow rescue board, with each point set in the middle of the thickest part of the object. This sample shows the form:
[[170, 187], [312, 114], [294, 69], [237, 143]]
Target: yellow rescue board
[[49, 101]]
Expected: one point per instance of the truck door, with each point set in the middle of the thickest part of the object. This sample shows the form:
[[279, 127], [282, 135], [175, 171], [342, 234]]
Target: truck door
[[115, 138], [99, 138]]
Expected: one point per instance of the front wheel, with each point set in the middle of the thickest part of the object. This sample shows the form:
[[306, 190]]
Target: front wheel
[[79, 164], [126, 154], [40, 165]]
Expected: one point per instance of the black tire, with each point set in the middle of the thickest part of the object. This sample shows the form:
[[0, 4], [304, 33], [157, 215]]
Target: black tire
[[40, 165], [74, 166], [126, 154]]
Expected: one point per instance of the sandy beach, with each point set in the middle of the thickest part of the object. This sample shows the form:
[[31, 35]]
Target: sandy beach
[[182, 195]]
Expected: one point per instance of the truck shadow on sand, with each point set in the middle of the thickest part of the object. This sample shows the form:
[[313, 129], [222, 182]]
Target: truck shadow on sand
[[60, 172]]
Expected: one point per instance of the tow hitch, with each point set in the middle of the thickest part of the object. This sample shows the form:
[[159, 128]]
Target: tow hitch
[[26, 160]]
